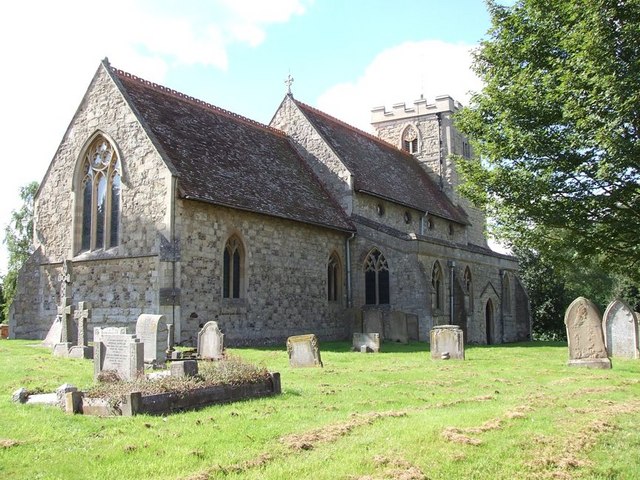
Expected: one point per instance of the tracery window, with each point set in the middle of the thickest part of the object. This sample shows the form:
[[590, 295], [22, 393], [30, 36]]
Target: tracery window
[[333, 278], [438, 287], [100, 196], [233, 268], [410, 139], [376, 278]]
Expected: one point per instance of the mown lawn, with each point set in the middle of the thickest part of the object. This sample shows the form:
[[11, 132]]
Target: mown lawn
[[506, 412]]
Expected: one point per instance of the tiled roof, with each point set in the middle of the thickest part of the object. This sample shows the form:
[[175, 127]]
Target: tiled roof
[[225, 159], [381, 169]]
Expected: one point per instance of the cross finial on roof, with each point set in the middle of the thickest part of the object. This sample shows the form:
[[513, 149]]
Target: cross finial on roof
[[288, 83]]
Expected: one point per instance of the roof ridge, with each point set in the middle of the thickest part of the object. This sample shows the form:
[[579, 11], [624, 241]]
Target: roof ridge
[[193, 100], [349, 126]]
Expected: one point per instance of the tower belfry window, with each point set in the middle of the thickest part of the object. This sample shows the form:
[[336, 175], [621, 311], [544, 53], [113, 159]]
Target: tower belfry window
[[410, 140]]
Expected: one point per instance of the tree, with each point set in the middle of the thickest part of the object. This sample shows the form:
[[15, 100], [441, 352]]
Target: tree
[[557, 129], [18, 238]]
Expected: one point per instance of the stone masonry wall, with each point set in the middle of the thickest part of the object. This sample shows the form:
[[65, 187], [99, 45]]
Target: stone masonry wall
[[285, 276], [118, 281]]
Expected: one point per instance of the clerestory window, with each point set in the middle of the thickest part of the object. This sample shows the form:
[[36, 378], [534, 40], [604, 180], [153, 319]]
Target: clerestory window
[[376, 278], [100, 196]]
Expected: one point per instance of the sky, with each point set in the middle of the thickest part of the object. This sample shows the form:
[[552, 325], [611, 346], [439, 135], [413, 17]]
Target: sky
[[345, 56]]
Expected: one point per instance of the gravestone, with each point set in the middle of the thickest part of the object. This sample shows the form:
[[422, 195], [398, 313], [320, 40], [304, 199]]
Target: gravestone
[[398, 331], [304, 351], [366, 342], [372, 322], [99, 331], [620, 328], [210, 342], [184, 368], [120, 353], [584, 335], [153, 333], [54, 335], [82, 316], [412, 327], [447, 341]]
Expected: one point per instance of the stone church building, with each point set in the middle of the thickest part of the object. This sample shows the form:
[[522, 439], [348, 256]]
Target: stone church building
[[162, 203]]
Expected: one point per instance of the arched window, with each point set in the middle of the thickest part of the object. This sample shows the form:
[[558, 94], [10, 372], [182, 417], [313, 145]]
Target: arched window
[[100, 196], [333, 278], [410, 139], [233, 269], [376, 278], [468, 288], [438, 287]]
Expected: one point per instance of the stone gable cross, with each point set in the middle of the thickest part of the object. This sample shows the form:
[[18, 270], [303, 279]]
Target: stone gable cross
[[288, 83]]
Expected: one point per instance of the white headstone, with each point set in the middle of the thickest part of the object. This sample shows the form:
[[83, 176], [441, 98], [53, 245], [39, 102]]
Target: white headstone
[[153, 332], [210, 342], [119, 353], [620, 328]]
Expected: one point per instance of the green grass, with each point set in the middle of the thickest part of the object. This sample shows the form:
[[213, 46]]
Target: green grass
[[514, 411]]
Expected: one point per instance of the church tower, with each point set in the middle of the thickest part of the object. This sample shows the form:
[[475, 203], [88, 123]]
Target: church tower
[[428, 133]]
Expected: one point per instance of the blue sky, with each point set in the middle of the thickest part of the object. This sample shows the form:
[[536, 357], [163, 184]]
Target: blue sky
[[346, 57]]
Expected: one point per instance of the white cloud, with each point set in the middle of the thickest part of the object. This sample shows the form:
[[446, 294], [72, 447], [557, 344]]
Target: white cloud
[[401, 74]]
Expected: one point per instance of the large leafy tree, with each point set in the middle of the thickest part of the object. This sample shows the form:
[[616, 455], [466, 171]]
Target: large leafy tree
[[557, 129], [18, 238]]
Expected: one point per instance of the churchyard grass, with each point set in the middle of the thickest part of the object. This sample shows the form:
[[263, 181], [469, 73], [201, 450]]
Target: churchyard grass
[[512, 411]]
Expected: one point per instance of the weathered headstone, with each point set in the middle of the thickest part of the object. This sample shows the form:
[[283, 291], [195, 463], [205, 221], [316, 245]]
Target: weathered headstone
[[366, 342], [398, 331], [412, 327], [584, 335], [372, 322], [82, 316], [210, 342], [99, 331], [304, 351], [620, 328], [184, 368], [120, 353], [447, 341], [153, 333]]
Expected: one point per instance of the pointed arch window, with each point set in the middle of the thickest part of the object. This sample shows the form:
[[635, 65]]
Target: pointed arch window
[[376, 278], [100, 196], [468, 288], [410, 139], [333, 278], [233, 269], [506, 293], [438, 286]]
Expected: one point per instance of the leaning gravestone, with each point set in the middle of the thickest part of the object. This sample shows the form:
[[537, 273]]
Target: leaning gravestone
[[366, 342], [372, 322], [304, 351], [447, 341], [210, 342], [54, 335], [398, 331], [620, 328], [153, 333], [120, 353], [584, 335]]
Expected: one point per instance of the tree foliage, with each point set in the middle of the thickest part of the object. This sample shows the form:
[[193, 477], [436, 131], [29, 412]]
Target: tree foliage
[[557, 129], [18, 238]]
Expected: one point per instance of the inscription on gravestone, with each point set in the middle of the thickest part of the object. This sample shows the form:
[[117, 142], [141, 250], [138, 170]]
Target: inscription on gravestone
[[584, 335], [620, 328], [119, 353], [304, 351]]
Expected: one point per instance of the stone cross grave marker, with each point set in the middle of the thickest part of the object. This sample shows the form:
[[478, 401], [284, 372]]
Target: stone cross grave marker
[[304, 351], [82, 316], [584, 335], [153, 333], [398, 331], [372, 322], [366, 342], [447, 341], [119, 353], [620, 328], [210, 342], [65, 311]]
